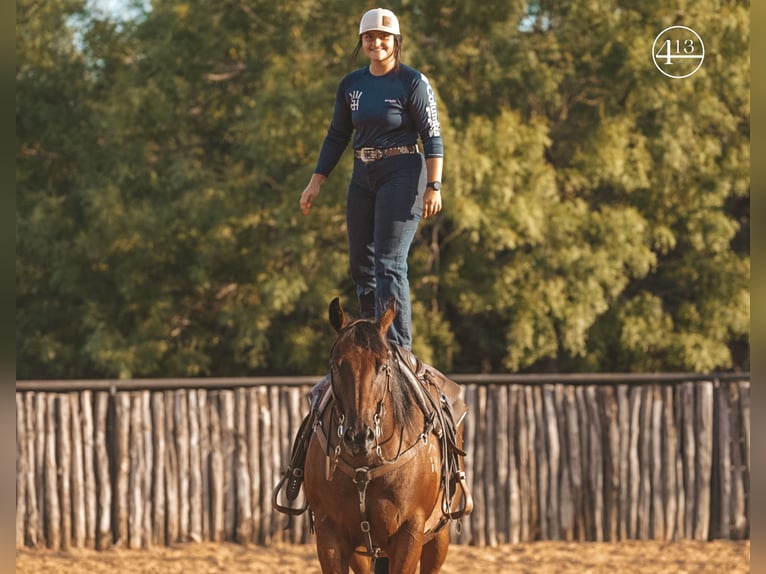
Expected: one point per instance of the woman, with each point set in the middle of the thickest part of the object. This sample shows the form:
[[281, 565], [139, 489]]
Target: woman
[[386, 106]]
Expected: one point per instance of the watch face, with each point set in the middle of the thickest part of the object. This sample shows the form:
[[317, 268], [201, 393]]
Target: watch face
[[437, 185]]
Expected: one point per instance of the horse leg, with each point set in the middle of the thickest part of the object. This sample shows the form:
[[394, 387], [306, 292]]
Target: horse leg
[[405, 549], [360, 564], [435, 553], [332, 554]]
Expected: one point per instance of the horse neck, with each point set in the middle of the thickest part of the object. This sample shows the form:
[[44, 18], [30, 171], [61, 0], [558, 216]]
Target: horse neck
[[402, 419]]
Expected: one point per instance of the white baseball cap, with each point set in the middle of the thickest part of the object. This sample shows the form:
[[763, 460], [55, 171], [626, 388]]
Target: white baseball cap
[[379, 19]]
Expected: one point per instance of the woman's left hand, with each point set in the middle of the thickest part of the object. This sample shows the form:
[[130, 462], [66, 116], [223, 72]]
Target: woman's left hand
[[432, 202]]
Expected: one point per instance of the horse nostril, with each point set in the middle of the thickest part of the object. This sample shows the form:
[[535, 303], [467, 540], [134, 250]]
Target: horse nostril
[[359, 440]]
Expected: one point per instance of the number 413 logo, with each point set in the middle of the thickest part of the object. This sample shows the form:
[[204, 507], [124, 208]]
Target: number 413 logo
[[678, 52]]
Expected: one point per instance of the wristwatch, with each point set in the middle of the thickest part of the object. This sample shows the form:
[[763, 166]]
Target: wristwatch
[[435, 185]]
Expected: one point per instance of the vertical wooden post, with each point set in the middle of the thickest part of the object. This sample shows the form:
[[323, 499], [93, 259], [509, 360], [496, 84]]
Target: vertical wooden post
[[575, 442], [543, 468], [587, 509], [657, 530], [531, 419], [503, 506], [297, 530], [514, 471], [680, 463], [79, 519], [89, 466], [554, 460], [104, 530], [276, 458], [171, 471], [148, 455], [244, 505], [53, 511], [41, 442], [182, 452], [216, 471], [738, 529], [159, 526], [195, 470], [634, 465], [137, 467], [490, 496], [645, 492], [254, 463], [21, 471], [669, 464], [228, 446], [690, 459], [205, 458], [612, 456], [704, 459], [265, 458], [596, 462], [34, 534], [122, 424], [724, 463], [63, 445], [480, 509], [622, 470]]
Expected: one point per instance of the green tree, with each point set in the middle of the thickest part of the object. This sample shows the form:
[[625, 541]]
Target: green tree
[[596, 213]]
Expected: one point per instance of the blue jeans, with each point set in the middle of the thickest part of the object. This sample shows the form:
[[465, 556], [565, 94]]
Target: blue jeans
[[384, 208]]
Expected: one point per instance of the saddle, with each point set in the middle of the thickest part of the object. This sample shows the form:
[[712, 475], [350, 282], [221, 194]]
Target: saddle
[[451, 393]]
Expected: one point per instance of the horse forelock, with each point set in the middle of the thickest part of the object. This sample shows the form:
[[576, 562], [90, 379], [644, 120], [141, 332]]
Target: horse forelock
[[363, 335]]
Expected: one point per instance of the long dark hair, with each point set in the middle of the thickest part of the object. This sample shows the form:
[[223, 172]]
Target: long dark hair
[[397, 52]]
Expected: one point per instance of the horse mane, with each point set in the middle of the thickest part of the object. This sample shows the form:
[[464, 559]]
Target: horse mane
[[365, 335]]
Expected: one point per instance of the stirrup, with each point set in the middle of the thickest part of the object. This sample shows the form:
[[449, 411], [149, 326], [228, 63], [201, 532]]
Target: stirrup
[[281, 507], [294, 482], [294, 473]]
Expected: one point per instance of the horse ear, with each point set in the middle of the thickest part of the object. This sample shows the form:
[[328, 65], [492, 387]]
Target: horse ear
[[337, 316], [388, 317]]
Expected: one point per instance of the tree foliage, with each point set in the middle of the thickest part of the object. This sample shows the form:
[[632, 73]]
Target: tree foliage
[[596, 212]]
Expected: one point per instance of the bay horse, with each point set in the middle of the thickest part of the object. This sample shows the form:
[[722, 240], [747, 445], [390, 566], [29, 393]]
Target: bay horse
[[374, 477]]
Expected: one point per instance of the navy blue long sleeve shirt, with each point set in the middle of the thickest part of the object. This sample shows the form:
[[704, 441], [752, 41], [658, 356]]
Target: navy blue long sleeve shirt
[[382, 111]]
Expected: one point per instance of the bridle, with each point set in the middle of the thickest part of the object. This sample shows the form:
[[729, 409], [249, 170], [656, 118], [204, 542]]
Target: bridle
[[362, 475]]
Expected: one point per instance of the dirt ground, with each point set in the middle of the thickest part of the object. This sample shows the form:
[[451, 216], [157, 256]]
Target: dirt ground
[[687, 557]]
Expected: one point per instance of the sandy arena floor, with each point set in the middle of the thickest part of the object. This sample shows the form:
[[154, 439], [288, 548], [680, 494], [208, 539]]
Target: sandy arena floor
[[687, 557]]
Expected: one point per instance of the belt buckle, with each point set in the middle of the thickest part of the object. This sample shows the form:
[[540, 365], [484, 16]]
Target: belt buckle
[[370, 154]]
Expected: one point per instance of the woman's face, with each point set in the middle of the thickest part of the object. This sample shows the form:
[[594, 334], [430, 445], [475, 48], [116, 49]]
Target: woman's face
[[379, 46]]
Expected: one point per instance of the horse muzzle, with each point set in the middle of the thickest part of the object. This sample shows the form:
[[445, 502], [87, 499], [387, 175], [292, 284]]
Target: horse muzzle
[[361, 442]]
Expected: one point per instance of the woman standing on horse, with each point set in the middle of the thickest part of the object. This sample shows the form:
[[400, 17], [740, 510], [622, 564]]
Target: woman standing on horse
[[386, 106]]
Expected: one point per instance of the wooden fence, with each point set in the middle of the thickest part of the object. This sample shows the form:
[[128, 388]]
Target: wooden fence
[[558, 457]]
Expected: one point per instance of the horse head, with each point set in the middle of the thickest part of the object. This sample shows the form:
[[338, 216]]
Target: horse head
[[361, 371]]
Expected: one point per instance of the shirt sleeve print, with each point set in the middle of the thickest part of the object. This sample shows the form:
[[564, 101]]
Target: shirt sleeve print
[[426, 115]]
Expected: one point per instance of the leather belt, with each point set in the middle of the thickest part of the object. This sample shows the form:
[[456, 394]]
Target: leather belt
[[370, 154]]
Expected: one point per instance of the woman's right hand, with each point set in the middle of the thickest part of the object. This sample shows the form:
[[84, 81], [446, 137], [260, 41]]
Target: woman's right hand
[[311, 193]]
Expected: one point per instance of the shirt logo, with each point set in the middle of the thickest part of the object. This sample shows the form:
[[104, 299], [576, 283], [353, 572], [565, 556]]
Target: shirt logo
[[434, 128], [355, 97]]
